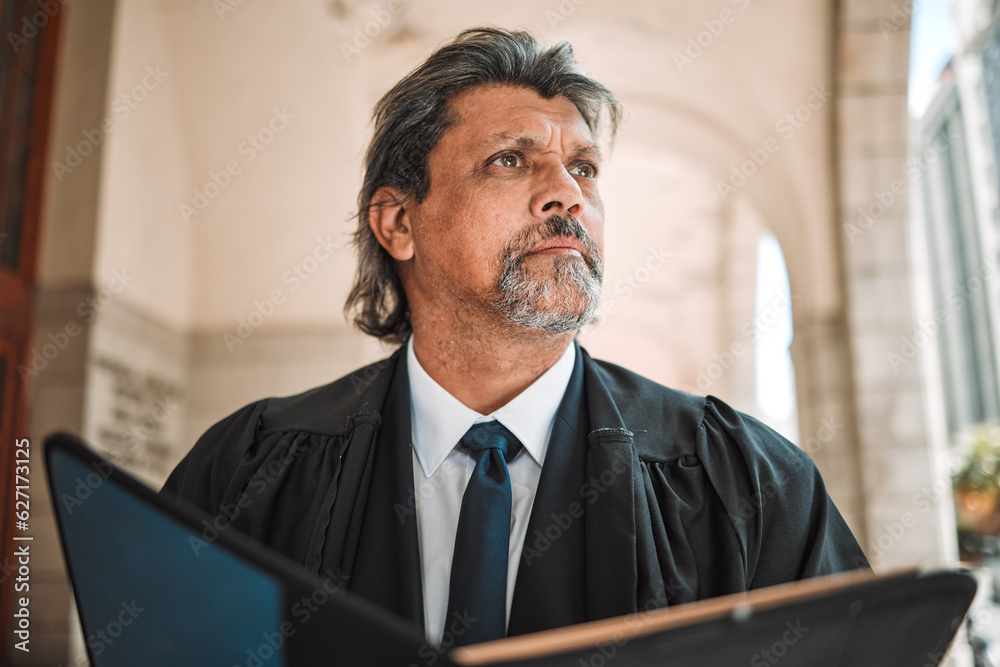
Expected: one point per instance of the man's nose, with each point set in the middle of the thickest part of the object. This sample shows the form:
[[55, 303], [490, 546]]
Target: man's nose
[[557, 193]]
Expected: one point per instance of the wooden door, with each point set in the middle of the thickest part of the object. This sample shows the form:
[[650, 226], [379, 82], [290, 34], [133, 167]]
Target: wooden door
[[28, 37]]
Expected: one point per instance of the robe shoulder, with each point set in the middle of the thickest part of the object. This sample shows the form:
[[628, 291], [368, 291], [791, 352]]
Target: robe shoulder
[[669, 424], [305, 427], [699, 452]]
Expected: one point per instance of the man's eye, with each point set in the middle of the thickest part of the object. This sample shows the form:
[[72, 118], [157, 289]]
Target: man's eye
[[508, 160], [584, 170]]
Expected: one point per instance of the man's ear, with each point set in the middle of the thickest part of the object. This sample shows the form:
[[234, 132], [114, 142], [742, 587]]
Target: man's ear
[[389, 219]]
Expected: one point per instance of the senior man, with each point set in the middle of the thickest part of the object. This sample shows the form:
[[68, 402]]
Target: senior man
[[490, 478]]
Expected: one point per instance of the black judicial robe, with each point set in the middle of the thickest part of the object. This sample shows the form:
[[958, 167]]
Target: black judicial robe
[[648, 496]]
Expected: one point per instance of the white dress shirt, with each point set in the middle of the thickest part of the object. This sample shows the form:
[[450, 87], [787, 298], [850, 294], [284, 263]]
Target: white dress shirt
[[441, 470]]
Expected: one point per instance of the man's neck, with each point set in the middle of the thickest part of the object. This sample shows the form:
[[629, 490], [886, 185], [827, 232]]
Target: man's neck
[[486, 372]]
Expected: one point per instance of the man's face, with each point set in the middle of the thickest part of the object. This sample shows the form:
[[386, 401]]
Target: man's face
[[513, 222]]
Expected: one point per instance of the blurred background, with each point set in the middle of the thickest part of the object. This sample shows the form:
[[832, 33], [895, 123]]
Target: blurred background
[[802, 219]]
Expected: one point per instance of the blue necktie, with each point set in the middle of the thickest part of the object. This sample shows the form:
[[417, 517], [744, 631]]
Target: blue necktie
[[478, 588]]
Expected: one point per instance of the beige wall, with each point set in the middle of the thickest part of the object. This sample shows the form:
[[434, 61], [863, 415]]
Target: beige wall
[[145, 171]]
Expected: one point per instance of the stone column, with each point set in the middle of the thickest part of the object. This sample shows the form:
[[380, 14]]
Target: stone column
[[907, 494], [828, 426]]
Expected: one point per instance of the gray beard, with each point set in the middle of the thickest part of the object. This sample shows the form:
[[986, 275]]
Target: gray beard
[[566, 302]]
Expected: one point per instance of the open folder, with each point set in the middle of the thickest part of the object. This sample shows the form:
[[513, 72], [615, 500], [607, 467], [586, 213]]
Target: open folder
[[152, 590]]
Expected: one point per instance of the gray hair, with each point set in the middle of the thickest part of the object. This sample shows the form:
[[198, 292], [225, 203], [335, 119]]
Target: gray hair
[[411, 118]]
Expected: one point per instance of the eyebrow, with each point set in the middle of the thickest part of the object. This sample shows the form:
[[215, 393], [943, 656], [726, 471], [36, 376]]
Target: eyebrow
[[589, 151]]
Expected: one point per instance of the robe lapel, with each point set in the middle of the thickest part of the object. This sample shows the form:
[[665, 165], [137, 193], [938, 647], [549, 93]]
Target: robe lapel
[[550, 587], [387, 566], [623, 575]]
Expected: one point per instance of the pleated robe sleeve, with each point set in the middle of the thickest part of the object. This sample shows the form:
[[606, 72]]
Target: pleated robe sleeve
[[739, 508], [210, 471], [276, 485], [783, 512]]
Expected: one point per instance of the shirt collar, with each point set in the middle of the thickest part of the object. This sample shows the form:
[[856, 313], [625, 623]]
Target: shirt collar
[[439, 420]]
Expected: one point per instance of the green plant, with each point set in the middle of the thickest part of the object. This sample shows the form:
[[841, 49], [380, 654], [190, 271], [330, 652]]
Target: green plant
[[979, 456]]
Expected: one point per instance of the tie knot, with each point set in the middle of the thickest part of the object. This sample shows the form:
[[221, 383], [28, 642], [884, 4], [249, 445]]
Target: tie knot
[[491, 435]]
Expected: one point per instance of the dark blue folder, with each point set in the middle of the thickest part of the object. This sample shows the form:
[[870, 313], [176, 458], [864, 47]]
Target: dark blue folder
[[151, 590]]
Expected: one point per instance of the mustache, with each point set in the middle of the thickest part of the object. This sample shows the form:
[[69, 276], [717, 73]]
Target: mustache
[[557, 225]]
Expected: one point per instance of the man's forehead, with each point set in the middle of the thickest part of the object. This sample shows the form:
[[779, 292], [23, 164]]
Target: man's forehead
[[519, 117]]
